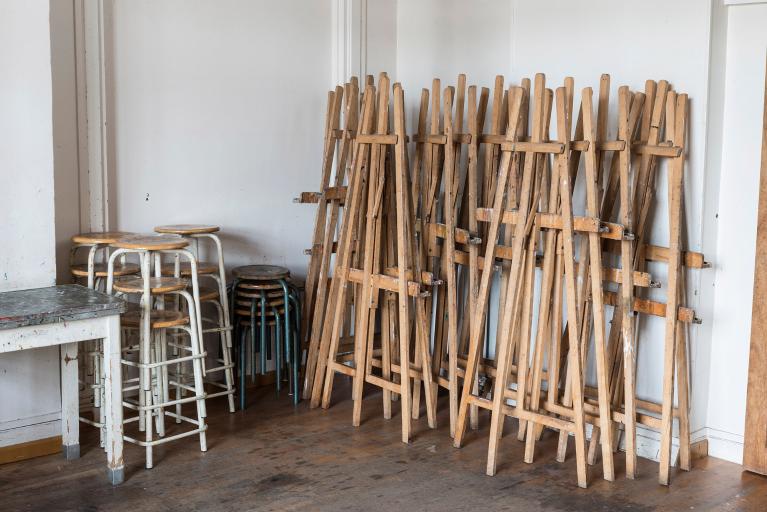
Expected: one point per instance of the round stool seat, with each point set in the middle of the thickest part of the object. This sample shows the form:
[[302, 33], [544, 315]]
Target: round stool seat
[[257, 294], [203, 267], [242, 285], [208, 293], [159, 318], [151, 242], [100, 237], [157, 285], [187, 229], [100, 269], [261, 272]]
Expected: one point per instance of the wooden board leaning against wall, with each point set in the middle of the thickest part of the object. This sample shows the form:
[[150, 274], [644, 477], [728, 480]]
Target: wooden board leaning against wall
[[427, 226], [755, 440]]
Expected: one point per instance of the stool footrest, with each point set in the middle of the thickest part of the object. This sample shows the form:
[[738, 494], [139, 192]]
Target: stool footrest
[[92, 423], [161, 405], [163, 440], [217, 329], [163, 363], [221, 393], [220, 368]]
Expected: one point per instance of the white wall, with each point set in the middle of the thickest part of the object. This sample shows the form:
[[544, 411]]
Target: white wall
[[380, 53], [736, 214], [441, 39], [27, 257], [218, 110]]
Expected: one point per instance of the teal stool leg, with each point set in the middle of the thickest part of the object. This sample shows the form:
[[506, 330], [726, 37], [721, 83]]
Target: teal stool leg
[[286, 301], [263, 332], [297, 354], [253, 341], [278, 344], [294, 354], [243, 358]]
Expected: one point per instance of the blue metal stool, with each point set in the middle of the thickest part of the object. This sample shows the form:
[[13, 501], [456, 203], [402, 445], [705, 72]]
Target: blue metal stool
[[264, 299]]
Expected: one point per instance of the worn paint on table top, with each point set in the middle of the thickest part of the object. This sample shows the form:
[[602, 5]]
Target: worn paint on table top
[[64, 303]]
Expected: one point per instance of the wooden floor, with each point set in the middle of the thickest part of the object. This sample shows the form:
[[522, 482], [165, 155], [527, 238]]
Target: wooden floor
[[277, 457]]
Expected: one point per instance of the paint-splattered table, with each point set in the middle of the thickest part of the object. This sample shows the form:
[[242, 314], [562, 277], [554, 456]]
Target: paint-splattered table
[[66, 315]]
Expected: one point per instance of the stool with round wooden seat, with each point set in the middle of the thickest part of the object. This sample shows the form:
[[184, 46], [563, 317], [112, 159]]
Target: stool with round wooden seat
[[265, 297], [93, 274], [152, 321], [216, 296], [96, 242]]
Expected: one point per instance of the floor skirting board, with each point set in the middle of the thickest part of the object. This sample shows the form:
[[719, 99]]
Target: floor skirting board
[[705, 441], [30, 449], [723, 445], [24, 430]]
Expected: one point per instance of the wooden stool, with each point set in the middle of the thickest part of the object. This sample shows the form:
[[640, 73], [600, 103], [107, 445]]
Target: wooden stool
[[95, 242], [153, 365], [94, 273], [255, 287], [217, 297]]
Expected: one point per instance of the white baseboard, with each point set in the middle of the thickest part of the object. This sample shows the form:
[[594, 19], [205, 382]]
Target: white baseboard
[[724, 445], [648, 443], [721, 444], [30, 429]]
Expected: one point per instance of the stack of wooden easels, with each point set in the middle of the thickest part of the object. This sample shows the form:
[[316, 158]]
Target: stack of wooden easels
[[497, 246]]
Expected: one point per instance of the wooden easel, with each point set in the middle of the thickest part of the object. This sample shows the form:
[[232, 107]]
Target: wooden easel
[[576, 421], [335, 309], [476, 339], [325, 225], [375, 180], [662, 106]]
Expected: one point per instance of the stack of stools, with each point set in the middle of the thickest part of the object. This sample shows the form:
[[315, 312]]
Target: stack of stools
[[215, 295], [266, 309], [153, 321], [93, 273]]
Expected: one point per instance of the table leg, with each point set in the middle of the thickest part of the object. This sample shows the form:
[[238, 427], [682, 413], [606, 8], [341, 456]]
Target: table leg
[[113, 402], [70, 421]]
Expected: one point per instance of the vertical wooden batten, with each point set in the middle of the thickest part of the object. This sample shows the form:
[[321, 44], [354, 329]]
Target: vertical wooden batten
[[755, 447]]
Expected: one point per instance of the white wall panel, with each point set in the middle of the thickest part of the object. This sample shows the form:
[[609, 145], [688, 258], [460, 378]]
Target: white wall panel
[[736, 213], [29, 391], [219, 112]]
